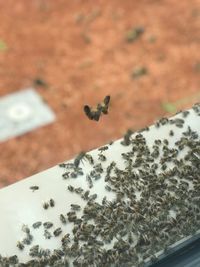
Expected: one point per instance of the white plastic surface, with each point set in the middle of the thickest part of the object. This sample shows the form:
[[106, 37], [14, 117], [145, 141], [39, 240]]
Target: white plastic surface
[[19, 205]]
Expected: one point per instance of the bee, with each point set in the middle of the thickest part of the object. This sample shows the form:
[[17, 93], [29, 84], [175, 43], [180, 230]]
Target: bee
[[79, 158], [20, 245], [44, 252], [89, 158], [166, 142], [70, 188], [171, 133], [88, 177], [62, 165], [63, 219], [158, 142], [34, 188], [71, 216], [95, 174], [78, 190], [52, 202], [103, 148], [92, 197], [28, 239], [94, 114], [57, 232], [65, 239], [45, 205], [85, 195], [108, 188], [47, 225], [75, 207], [13, 260], [25, 229], [101, 157], [104, 200], [98, 168], [105, 104], [47, 234], [126, 141], [31, 263], [65, 175], [36, 225], [34, 251], [73, 175], [58, 253]]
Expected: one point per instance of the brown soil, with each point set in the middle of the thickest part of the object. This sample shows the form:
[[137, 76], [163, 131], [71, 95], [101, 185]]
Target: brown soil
[[80, 49]]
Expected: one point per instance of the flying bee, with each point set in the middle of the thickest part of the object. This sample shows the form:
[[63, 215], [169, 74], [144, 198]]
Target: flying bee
[[104, 105], [94, 114]]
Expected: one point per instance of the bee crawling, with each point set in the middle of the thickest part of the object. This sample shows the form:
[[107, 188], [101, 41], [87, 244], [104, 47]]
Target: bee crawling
[[34, 187], [81, 156], [94, 114]]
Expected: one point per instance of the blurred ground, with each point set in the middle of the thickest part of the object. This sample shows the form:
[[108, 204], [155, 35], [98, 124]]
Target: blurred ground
[[84, 50]]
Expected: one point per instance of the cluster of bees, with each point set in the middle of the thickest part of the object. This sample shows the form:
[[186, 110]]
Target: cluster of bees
[[156, 203], [95, 113]]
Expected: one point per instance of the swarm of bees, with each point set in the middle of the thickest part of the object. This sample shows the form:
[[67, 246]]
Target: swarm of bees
[[167, 182], [95, 114]]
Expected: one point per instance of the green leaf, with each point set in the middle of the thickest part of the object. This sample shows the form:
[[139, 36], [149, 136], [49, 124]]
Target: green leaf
[[3, 46], [169, 107]]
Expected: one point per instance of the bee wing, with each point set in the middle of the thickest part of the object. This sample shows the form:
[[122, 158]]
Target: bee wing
[[87, 109], [99, 108], [88, 112], [96, 115]]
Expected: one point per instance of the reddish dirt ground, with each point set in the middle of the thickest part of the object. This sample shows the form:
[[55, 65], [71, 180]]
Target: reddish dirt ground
[[80, 49]]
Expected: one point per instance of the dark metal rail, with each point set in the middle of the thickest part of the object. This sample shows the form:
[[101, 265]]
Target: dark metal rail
[[187, 256]]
